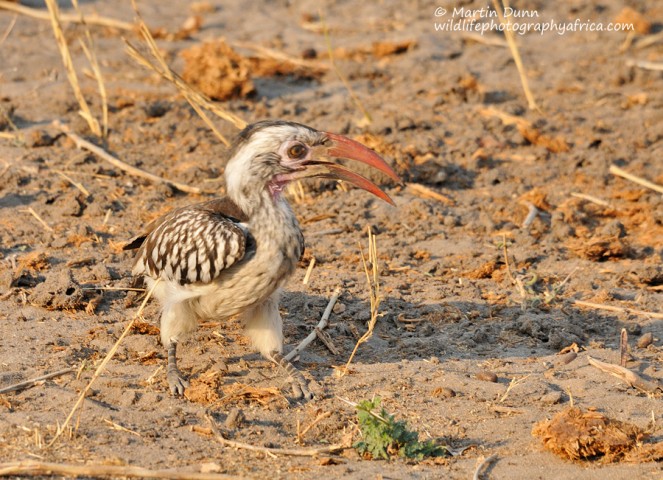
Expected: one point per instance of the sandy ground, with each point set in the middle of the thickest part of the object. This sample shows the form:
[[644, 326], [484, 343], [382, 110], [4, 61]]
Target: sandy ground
[[443, 108]]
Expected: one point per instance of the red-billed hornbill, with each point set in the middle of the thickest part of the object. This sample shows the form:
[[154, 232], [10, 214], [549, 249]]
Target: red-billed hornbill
[[231, 255]]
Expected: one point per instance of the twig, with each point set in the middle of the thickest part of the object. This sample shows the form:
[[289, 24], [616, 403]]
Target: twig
[[649, 40], [307, 277], [79, 186], [296, 452], [318, 419], [591, 198], [269, 53], [102, 366], [645, 64], [484, 39], [627, 376], [34, 381], [511, 41], [68, 63], [8, 30], [623, 347], [101, 153], [326, 339], [90, 53], [426, 192], [484, 463], [32, 468], [513, 383], [92, 19], [610, 308], [31, 211], [506, 260], [531, 215], [615, 170], [321, 325]]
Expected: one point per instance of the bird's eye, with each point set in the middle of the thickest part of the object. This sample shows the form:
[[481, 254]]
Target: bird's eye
[[297, 151]]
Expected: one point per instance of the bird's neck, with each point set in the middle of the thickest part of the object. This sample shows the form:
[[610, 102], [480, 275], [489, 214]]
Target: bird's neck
[[268, 211]]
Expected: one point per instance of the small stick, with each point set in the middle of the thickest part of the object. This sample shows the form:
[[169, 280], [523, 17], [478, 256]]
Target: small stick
[[645, 64], [318, 419], [39, 219], [484, 463], [38, 469], [610, 308], [511, 41], [531, 215], [425, 192], [102, 365], [485, 40], [297, 452], [9, 30], [79, 186], [34, 381], [506, 260], [649, 41], [623, 347], [92, 19], [615, 170], [101, 153], [592, 199], [627, 376], [322, 233], [321, 325], [307, 277], [54, 12], [326, 339]]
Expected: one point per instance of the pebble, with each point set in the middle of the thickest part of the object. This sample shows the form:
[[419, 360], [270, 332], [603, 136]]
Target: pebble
[[567, 358], [443, 392], [552, 398], [486, 376], [234, 419], [645, 340]]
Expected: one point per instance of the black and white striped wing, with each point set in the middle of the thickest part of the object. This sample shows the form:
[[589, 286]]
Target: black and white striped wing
[[193, 245]]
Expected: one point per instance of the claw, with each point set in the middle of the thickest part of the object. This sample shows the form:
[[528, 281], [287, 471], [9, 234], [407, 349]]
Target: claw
[[177, 382], [297, 380]]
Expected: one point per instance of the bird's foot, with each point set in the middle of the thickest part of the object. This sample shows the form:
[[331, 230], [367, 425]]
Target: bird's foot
[[300, 389], [299, 384], [176, 381]]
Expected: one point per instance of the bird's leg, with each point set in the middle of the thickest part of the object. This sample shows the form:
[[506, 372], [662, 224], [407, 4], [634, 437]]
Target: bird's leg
[[176, 380], [299, 383]]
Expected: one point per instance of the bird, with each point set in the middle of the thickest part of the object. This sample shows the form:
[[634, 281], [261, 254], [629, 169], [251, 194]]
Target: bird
[[233, 254]]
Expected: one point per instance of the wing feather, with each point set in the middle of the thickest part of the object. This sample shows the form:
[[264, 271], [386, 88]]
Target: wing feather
[[193, 244]]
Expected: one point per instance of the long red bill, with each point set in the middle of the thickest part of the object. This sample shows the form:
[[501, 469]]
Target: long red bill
[[344, 147]]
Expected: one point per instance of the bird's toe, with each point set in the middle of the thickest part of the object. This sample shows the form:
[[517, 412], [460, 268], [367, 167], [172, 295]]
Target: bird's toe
[[177, 383]]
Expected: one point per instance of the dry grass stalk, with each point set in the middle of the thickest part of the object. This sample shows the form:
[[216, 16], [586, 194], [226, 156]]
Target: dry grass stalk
[[307, 277], [373, 281], [76, 184], [9, 30], [367, 117], [90, 53], [68, 63], [298, 452], [615, 170], [591, 198], [34, 381], [318, 419], [92, 19], [46, 226], [37, 469], [425, 192], [511, 41], [197, 100], [101, 153], [627, 376], [320, 326], [102, 366], [610, 308]]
